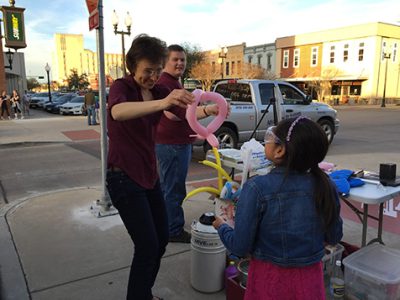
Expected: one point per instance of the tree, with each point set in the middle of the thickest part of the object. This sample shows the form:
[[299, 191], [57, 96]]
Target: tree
[[32, 83], [252, 71], [194, 56], [206, 74], [323, 85], [76, 81]]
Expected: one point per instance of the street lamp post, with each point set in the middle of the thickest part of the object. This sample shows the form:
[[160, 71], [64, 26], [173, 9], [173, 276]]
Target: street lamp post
[[10, 56], [221, 57], [387, 57], [47, 68], [128, 23]]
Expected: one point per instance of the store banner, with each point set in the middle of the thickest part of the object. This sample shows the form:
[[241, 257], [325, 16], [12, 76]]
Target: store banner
[[14, 27]]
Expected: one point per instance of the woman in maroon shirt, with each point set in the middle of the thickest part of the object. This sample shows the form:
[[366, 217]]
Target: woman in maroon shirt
[[135, 105]]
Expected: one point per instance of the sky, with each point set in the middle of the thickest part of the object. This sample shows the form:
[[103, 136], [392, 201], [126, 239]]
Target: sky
[[207, 24]]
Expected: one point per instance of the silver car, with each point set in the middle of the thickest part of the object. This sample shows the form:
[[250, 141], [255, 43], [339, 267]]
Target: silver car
[[73, 107], [37, 99]]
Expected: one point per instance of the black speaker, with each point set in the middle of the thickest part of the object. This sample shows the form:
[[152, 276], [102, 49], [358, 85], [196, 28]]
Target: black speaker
[[387, 172]]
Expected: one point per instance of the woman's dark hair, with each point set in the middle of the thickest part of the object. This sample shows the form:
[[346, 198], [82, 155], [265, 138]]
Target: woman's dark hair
[[306, 146], [146, 47]]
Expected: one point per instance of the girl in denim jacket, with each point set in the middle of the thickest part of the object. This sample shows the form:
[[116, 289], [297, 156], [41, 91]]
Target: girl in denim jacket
[[285, 218]]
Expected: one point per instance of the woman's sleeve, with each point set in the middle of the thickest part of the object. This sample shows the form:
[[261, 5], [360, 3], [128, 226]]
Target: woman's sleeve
[[121, 92], [180, 112]]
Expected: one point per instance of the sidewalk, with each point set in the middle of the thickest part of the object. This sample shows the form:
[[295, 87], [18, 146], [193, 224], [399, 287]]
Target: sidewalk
[[52, 247], [34, 129]]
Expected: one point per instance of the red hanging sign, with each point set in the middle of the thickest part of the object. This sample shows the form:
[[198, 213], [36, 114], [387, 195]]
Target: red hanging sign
[[93, 14], [92, 5]]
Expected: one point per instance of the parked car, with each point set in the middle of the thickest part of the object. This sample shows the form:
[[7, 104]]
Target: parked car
[[54, 106], [54, 97], [37, 98], [191, 84], [73, 107]]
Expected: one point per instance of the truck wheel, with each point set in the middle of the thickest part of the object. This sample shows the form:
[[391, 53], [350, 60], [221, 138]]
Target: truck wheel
[[227, 139], [328, 128]]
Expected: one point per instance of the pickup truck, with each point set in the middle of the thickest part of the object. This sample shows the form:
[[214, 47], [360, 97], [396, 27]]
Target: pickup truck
[[249, 99]]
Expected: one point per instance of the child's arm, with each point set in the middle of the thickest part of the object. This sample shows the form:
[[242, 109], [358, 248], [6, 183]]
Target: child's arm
[[218, 222], [335, 233], [240, 240]]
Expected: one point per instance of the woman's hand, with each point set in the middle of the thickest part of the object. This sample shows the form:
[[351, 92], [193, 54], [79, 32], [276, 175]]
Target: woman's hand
[[179, 97], [210, 110], [218, 222]]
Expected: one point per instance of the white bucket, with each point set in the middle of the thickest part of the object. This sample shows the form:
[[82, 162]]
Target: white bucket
[[208, 260]]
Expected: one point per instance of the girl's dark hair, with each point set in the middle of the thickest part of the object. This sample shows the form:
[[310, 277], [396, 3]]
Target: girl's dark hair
[[306, 146], [146, 47]]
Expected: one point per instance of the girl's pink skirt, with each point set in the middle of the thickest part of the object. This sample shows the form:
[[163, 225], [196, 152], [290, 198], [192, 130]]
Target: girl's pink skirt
[[267, 281]]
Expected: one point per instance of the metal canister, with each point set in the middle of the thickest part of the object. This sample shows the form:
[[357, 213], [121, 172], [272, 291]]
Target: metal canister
[[208, 256]]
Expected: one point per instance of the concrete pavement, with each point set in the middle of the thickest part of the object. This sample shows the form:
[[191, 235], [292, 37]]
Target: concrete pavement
[[52, 247]]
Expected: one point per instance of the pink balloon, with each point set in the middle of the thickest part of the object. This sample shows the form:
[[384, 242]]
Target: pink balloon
[[207, 133]]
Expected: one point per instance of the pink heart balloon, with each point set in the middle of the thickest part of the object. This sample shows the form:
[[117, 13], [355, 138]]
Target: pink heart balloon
[[207, 133]]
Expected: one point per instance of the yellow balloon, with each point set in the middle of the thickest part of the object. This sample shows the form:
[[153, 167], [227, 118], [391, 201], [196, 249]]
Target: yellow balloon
[[221, 174], [218, 161], [202, 189], [220, 170]]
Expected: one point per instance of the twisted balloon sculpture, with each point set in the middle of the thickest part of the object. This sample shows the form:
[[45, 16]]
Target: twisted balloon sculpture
[[222, 176], [207, 133]]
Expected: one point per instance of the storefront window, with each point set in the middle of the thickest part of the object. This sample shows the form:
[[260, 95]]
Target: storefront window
[[355, 90]]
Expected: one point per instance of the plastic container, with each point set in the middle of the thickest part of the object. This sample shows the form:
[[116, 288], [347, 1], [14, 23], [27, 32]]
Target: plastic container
[[208, 257], [230, 271], [337, 286], [373, 272], [332, 254]]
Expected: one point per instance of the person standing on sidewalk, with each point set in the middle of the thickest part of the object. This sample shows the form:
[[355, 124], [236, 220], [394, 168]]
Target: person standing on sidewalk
[[90, 107], [284, 218], [16, 104], [5, 105], [174, 147], [25, 104], [134, 108], [97, 108]]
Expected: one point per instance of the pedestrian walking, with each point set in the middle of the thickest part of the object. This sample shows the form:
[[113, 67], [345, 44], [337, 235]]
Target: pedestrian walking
[[134, 108], [284, 218]]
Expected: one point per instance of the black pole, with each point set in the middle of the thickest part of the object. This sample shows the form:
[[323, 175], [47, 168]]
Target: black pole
[[123, 53], [271, 102], [48, 84], [122, 33], [386, 57]]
